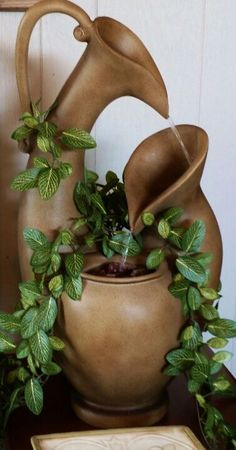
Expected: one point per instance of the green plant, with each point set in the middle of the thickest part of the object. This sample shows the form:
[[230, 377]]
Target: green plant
[[28, 361]]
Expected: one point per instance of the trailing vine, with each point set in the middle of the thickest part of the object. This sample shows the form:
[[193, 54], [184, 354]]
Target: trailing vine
[[102, 223]]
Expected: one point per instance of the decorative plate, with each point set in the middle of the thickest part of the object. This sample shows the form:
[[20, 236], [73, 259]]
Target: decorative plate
[[151, 438]]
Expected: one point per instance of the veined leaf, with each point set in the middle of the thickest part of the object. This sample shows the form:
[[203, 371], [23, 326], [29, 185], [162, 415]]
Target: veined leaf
[[74, 264], [13, 404], [34, 238], [221, 384], [66, 237], [51, 368], [56, 343], [43, 143], [21, 133], [41, 256], [90, 176], [65, 170], [47, 314], [193, 386], [208, 312], [6, 343], [155, 258], [191, 337], [201, 400], [30, 289], [75, 138], [224, 328], [47, 129], [209, 293], [172, 215], [194, 298], [147, 218], [200, 373], [163, 228], [48, 183], [34, 396], [22, 374], [175, 237], [108, 252], [25, 180], [191, 269], [29, 324], [29, 120], [193, 237], [41, 347], [181, 358], [217, 342], [204, 258], [73, 287], [124, 244], [23, 349], [171, 371], [97, 201], [179, 289], [222, 356], [55, 285], [9, 322]]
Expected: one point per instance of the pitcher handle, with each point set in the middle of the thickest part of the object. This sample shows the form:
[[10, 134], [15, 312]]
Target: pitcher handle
[[27, 24]]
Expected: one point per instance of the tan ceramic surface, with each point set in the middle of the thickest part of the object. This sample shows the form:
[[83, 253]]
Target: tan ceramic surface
[[162, 438]]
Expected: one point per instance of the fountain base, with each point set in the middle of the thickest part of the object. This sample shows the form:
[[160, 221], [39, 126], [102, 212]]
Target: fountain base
[[101, 416]]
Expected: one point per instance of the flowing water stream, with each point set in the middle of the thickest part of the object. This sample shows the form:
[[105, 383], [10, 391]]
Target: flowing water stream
[[178, 137]]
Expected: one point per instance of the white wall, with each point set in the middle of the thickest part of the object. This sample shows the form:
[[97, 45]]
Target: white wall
[[194, 44]]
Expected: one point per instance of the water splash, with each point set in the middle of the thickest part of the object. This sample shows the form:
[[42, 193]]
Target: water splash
[[125, 255], [177, 135]]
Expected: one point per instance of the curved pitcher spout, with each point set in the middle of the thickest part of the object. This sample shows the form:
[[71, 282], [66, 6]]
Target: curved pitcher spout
[[114, 64]]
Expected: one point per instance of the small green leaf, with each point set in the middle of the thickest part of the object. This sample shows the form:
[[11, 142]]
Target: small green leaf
[[74, 138], [34, 396], [175, 237], [47, 314], [201, 400], [194, 236], [41, 163], [194, 298], [48, 183], [187, 333], [22, 350], [29, 120], [23, 374], [224, 328], [191, 269], [124, 244], [179, 289], [215, 367], [26, 180], [21, 133], [29, 324], [65, 170], [222, 356], [66, 237], [79, 223], [56, 343], [30, 289], [193, 386], [191, 337], [51, 368], [31, 364], [41, 256], [73, 287], [172, 215], [171, 371], [6, 343], [155, 258], [56, 261], [200, 373], [97, 201], [147, 218], [43, 143], [181, 358], [221, 384], [12, 404], [163, 228], [56, 150], [208, 312], [203, 258], [209, 293], [217, 342], [55, 285], [9, 322], [47, 129], [34, 238], [40, 346], [74, 263], [90, 176], [108, 252]]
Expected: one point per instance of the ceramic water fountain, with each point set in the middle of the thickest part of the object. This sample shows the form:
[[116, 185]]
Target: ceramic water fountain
[[117, 336]]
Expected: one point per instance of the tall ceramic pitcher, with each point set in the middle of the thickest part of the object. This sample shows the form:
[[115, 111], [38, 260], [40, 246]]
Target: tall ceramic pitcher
[[114, 64]]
